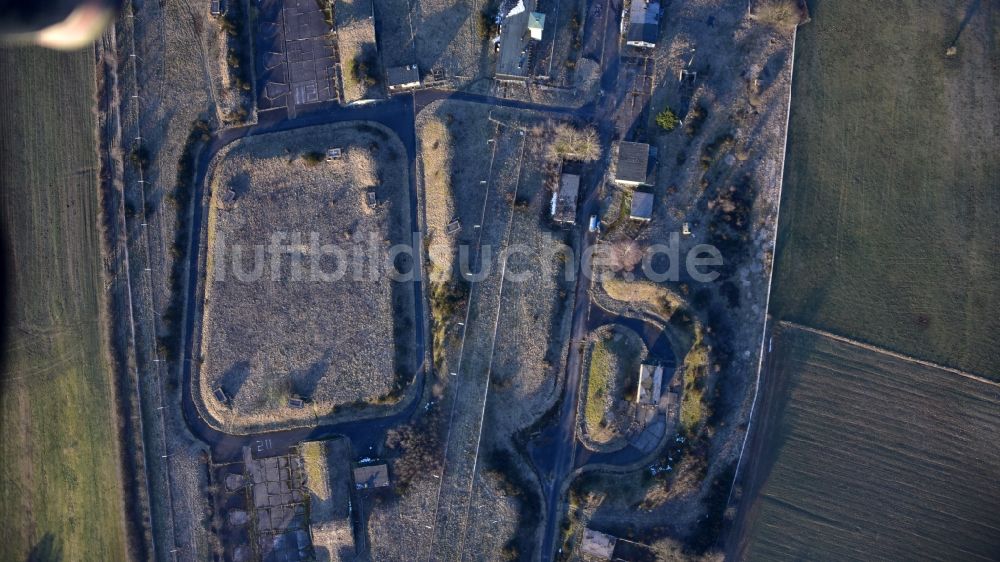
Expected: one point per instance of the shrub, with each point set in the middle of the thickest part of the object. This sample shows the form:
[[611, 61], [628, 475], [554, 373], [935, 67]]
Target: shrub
[[484, 25], [667, 119], [313, 158]]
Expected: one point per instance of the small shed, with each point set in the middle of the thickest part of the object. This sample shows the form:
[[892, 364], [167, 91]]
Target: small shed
[[642, 206], [536, 25], [374, 476], [632, 165], [598, 544], [403, 77], [564, 200], [650, 384]]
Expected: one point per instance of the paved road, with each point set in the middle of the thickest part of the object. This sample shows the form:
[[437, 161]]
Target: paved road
[[396, 114], [554, 462]]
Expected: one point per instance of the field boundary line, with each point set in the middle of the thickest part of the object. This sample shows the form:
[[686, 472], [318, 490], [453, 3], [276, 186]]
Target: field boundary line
[[889, 352], [770, 275], [129, 13], [116, 140]]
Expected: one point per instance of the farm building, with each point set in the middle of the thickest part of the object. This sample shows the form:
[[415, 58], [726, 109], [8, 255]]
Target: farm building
[[598, 544], [564, 200], [642, 206], [375, 476], [650, 384], [403, 77], [632, 165], [643, 23], [536, 25]]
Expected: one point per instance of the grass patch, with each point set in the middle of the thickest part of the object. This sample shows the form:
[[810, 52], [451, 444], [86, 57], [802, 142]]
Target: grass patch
[[60, 481], [660, 299], [890, 218], [693, 408]]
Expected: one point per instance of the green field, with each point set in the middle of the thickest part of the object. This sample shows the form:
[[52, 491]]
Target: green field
[[890, 217], [60, 488], [869, 456]]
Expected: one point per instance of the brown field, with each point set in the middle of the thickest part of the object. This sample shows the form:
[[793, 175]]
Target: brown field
[[867, 455], [283, 332], [60, 479]]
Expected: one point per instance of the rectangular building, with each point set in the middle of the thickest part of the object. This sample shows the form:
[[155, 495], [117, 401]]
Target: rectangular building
[[632, 164], [564, 200], [402, 77], [650, 385], [644, 23], [642, 206]]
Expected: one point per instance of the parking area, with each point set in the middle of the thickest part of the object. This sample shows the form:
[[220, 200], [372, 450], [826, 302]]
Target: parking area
[[297, 65]]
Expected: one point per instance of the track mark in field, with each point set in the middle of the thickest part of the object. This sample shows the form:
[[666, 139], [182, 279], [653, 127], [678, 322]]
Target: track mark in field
[[889, 352]]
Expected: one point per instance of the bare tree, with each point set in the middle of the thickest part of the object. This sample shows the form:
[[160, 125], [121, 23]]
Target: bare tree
[[571, 143]]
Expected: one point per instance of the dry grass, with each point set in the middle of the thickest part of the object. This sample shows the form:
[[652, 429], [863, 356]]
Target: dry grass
[[781, 13], [447, 38], [507, 340], [436, 148], [658, 297], [358, 57], [355, 26], [330, 342]]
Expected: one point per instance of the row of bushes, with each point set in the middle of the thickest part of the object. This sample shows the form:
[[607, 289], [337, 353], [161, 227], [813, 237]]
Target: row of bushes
[[180, 197], [238, 58]]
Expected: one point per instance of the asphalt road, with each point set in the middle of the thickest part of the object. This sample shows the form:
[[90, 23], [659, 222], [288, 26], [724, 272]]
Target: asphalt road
[[397, 114], [555, 462]]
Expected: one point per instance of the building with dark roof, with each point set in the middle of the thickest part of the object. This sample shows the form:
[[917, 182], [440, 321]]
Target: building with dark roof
[[564, 200], [402, 77], [643, 23], [642, 206], [632, 164]]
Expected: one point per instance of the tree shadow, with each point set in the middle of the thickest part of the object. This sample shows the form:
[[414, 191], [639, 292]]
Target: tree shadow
[[973, 8], [234, 377], [304, 381], [48, 549]]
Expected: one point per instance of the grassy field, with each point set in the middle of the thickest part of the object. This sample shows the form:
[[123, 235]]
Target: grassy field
[[614, 362], [60, 487], [870, 456], [890, 220], [295, 329]]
